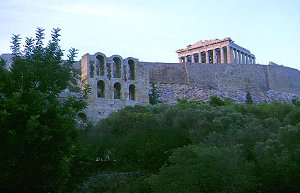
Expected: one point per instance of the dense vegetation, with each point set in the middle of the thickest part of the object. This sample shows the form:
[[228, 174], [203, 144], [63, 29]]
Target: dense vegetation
[[218, 146], [198, 147], [38, 132]]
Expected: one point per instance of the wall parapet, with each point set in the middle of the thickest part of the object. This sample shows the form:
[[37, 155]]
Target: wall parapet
[[254, 78]]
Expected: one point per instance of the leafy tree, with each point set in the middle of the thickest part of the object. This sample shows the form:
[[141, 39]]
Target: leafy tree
[[249, 99], [149, 149], [278, 161], [154, 95], [194, 169], [86, 90], [296, 102], [241, 148], [37, 129], [216, 101], [134, 135]]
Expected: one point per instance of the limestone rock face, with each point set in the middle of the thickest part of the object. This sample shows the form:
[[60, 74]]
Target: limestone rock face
[[170, 93]]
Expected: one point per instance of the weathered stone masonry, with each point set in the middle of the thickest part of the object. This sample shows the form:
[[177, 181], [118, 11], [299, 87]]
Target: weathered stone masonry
[[264, 82], [206, 68], [115, 83]]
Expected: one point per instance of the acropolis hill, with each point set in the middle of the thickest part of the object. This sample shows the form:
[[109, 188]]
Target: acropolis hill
[[206, 68]]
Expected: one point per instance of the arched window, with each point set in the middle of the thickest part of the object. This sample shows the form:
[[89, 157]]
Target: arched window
[[117, 67], [131, 69], [131, 92], [117, 90], [101, 89], [100, 65]]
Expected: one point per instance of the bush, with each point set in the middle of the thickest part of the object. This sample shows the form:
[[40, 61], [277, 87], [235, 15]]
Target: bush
[[216, 101]]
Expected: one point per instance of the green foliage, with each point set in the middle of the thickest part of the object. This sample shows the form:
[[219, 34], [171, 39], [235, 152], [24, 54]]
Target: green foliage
[[194, 169], [296, 102], [135, 137], [86, 90], [38, 131], [249, 99], [2, 63], [15, 47], [278, 161], [117, 182], [191, 147], [153, 96], [216, 101]]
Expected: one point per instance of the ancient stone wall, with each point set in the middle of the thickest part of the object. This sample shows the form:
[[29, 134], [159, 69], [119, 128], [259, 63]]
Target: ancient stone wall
[[115, 83], [170, 93], [192, 81], [250, 77], [283, 79], [165, 72], [200, 81]]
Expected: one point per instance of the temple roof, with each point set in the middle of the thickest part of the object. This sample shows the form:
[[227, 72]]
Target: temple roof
[[203, 43]]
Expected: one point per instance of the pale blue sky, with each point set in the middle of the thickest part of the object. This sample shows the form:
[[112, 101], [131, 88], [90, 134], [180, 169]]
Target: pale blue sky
[[153, 30]]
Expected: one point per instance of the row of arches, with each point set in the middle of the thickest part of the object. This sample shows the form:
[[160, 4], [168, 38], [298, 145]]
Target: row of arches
[[117, 90], [113, 68]]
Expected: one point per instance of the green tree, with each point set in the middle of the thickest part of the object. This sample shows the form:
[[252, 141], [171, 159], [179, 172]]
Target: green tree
[[154, 95], [216, 101], [137, 139], [249, 99], [278, 161], [37, 129], [241, 148], [194, 169]]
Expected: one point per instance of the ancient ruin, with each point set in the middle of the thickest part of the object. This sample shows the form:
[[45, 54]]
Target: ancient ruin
[[113, 83], [215, 51]]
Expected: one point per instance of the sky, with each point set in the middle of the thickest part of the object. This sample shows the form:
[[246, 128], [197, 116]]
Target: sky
[[152, 30]]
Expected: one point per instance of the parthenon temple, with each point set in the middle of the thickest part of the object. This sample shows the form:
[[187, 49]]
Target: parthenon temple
[[223, 51]]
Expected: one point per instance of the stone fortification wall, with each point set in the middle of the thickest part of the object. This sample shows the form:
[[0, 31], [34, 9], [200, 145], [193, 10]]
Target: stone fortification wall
[[283, 79], [170, 93], [250, 77], [165, 72], [200, 81]]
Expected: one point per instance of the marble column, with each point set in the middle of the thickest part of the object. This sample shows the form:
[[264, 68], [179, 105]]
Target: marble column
[[206, 57], [243, 58], [229, 55], [200, 57], [222, 55], [239, 56], [235, 56], [247, 59], [214, 56], [253, 60]]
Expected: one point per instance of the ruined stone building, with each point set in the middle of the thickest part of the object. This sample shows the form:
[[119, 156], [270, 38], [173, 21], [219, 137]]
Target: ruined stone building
[[114, 83], [215, 51]]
